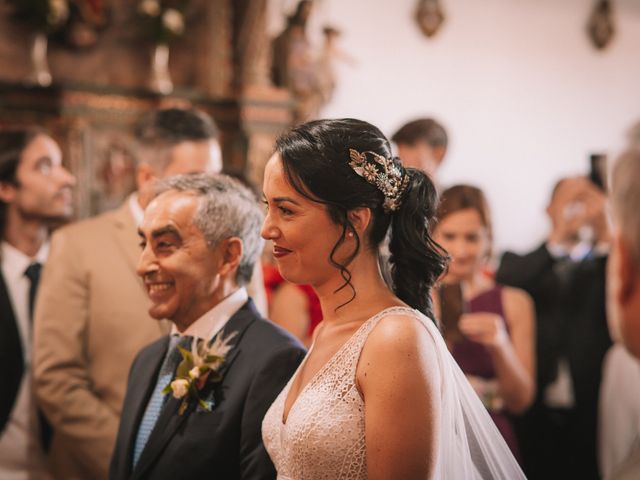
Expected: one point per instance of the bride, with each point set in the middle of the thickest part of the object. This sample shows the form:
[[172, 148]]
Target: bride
[[378, 395]]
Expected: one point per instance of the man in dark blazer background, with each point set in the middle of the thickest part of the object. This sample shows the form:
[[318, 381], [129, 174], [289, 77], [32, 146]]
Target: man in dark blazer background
[[200, 240], [35, 192], [566, 278]]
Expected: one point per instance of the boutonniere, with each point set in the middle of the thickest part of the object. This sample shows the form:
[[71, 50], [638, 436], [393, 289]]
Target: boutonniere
[[198, 366]]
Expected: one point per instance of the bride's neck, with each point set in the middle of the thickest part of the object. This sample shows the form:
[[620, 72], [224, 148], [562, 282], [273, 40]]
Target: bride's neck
[[371, 293]]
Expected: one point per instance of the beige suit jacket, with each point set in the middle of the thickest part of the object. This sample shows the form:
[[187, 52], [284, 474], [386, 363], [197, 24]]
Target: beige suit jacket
[[90, 321]]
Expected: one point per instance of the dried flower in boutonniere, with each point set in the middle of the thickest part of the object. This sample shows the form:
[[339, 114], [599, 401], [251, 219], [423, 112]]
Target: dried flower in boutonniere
[[198, 366]]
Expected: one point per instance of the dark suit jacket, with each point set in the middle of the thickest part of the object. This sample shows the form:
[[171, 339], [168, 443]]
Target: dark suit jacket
[[570, 313], [11, 356], [571, 323], [225, 443]]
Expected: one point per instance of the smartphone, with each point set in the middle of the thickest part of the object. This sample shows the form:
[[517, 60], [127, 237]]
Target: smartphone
[[598, 170], [452, 306]]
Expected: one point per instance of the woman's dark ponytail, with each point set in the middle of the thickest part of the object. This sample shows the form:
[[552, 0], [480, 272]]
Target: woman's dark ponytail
[[417, 261]]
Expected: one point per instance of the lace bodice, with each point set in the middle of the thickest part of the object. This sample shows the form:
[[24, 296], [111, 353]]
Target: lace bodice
[[323, 437]]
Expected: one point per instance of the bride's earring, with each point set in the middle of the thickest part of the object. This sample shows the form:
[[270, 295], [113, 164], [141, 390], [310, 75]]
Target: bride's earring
[[350, 234]]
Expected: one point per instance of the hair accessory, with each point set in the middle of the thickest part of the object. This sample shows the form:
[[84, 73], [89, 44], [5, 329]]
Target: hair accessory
[[389, 178]]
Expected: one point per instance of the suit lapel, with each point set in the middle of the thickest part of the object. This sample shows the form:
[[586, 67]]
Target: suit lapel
[[239, 324], [170, 421], [126, 234], [137, 403]]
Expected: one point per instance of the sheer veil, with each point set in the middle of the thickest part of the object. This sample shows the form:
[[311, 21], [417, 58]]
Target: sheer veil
[[470, 445]]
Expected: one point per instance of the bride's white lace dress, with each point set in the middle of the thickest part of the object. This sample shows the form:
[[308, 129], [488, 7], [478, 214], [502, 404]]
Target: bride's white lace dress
[[324, 434]]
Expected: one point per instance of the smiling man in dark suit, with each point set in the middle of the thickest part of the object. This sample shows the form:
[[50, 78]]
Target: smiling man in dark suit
[[200, 241]]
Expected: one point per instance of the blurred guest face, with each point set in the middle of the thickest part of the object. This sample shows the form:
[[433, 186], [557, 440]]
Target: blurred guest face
[[422, 156], [465, 238], [185, 158], [43, 190], [301, 230], [194, 157], [180, 272]]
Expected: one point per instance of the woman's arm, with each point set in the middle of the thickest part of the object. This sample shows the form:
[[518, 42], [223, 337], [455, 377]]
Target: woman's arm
[[399, 379], [520, 316], [513, 355]]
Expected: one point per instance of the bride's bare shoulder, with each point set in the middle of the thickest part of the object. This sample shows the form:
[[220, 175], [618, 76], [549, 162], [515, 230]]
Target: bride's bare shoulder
[[397, 337], [401, 326], [399, 358]]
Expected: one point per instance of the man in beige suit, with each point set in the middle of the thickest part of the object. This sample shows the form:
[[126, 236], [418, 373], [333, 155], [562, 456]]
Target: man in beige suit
[[91, 316]]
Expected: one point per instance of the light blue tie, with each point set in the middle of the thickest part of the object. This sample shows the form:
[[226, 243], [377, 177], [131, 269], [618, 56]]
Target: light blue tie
[[156, 402]]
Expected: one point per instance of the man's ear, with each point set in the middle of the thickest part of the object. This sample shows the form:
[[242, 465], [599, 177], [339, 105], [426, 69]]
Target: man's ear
[[628, 274], [360, 218], [231, 249], [438, 153], [7, 192], [144, 174]]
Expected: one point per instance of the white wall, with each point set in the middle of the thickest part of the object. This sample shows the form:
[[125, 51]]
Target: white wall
[[523, 94]]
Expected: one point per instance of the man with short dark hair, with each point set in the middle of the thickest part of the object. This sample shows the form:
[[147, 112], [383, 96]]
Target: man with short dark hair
[[565, 276], [91, 317], [35, 193], [422, 144], [200, 240]]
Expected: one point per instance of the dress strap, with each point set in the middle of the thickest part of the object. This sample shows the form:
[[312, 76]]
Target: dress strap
[[360, 337]]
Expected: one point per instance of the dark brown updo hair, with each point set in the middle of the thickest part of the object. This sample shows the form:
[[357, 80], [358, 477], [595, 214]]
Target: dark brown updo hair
[[315, 157]]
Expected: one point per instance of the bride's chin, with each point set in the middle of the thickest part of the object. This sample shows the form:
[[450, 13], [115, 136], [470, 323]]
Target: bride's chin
[[293, 277]]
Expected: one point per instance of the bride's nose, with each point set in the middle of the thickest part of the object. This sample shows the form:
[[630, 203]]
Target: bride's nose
[[269, 231]]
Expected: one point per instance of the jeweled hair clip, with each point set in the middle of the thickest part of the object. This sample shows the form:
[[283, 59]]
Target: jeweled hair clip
[[392, 180]]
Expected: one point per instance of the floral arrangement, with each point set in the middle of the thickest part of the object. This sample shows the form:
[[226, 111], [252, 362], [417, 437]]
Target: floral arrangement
[[74, 22], [87, 19], [163, 18], [44, 15], [199, 366]]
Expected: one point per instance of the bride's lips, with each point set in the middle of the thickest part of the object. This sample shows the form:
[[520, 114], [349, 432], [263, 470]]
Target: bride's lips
[[280, 252]]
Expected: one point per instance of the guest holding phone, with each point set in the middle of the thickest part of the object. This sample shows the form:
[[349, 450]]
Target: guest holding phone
[[488, 327]]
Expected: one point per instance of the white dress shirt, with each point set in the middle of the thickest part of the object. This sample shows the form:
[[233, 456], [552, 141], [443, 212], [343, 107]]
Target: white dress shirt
[[136, 210], [215, 319], [619, 409], [21, 456]]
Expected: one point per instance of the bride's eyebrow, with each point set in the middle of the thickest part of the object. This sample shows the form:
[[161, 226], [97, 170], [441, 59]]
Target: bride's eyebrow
[[285, 199]]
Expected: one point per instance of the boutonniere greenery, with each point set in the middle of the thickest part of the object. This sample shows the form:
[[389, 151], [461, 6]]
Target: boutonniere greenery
[[199, 366]]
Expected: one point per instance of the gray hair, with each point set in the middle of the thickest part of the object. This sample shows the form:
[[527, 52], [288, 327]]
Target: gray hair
[[625, 198], [228, 209]]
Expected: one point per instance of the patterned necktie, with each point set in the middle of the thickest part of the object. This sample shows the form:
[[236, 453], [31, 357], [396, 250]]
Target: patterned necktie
[[33, 274], [157, 399]]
